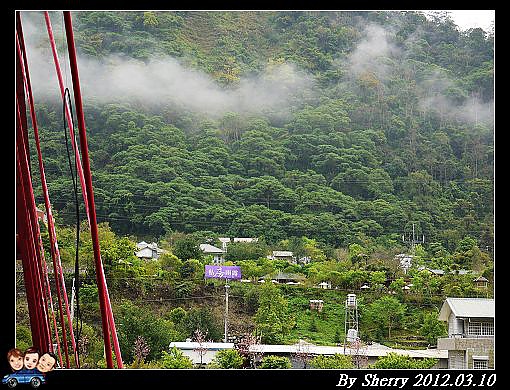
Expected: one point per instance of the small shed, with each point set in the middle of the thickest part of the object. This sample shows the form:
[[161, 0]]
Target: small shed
[[325, 285], [481, 282]]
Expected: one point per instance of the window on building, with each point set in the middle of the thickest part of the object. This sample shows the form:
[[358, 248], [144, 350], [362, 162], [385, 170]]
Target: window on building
[[481, 329], [480, 362]]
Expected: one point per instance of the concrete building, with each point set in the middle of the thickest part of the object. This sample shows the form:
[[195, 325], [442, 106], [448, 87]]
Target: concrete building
[[226, 240], [208, 350], [372, 352], [248, 240], [470, 341]]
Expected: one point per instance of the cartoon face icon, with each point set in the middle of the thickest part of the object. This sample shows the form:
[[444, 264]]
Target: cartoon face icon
[[31, 358], [46, 362], [15, 358]]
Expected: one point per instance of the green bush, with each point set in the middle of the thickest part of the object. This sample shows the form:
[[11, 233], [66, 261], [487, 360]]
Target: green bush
[[394, 360], [335, 361], [275, 362], [229, 358], [174, 359]]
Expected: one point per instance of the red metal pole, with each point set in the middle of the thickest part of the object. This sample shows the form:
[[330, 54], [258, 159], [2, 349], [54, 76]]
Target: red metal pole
[[90, 192], [67, 109], [25, 255], [26, 75], [33, 235], [28, 235]]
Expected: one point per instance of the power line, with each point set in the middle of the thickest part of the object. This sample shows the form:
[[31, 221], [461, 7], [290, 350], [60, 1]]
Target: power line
[[229, 224], [115, 207], [251, 179]]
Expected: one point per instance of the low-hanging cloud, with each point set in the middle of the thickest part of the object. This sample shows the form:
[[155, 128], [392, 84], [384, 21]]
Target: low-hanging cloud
[[436, 96], [166, 80], [278, 88], [378, 54], [372, 51]]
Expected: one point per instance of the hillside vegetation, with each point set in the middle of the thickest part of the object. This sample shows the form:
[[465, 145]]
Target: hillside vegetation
[[331, 134]]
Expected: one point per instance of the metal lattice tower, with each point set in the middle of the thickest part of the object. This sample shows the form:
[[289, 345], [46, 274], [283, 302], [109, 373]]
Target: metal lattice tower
[[351, 320]]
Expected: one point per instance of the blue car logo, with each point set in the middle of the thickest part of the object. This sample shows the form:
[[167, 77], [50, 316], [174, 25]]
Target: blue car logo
[[33, 377]]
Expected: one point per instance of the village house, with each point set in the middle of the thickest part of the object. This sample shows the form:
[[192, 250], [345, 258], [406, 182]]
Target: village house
[[304, 260], [440, 272], [282, 255], [147, 251], [217, 253], [470, 341], [436, 272], [285, 278]]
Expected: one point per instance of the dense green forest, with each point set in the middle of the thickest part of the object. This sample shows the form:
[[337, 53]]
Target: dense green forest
[[356, 158], [330, 133]]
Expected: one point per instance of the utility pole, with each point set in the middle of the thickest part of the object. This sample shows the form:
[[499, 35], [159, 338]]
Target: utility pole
[[413, 240], [226, 310]]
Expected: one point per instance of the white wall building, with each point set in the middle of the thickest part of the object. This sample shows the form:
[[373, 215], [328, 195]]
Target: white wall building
[[148, 251], [191, 349], [373, 352], [470, 341], [217, 253]]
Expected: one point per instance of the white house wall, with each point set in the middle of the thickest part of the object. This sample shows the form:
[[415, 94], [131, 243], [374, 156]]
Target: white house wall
[[455, 326]]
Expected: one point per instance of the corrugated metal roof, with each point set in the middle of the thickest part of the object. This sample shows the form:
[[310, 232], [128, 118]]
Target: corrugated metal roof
[[208, 248], [245, 239], [467, 307], [145, 252], [194, 345], [370, 350], [282, 253]]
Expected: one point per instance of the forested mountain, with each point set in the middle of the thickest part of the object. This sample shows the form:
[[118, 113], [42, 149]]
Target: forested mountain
[[344, 127]]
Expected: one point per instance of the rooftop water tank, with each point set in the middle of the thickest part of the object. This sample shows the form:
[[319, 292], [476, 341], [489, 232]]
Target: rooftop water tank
[[351, 300]]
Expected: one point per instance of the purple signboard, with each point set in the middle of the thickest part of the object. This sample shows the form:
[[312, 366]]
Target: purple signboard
[[222, 272]]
